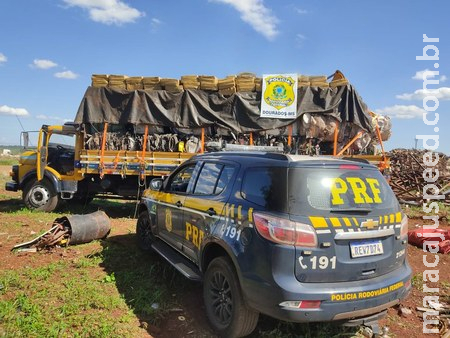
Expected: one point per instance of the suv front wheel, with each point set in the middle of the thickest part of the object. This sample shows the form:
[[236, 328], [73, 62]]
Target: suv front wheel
[[144, 233], [226, 310]]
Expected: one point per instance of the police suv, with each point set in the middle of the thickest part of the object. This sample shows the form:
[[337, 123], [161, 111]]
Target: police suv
[[298, 238]]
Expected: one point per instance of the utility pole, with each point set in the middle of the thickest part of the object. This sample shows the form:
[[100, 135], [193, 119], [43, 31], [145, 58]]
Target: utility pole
[[415, 143]]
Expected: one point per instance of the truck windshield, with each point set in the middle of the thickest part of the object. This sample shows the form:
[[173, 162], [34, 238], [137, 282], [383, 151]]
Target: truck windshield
[[64, 140], [323, 191]]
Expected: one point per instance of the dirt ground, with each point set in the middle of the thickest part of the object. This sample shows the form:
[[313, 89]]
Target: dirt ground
[[190, 320]]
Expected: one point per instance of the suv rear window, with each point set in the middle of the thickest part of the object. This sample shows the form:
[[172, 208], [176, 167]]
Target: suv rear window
[[327, 190], [266, 186]]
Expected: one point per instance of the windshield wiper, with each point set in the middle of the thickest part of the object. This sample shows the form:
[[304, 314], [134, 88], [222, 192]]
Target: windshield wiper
[[362, 210]]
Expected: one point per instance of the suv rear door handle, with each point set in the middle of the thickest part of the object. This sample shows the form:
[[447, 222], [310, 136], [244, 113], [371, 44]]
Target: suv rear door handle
[[179, 204], [211, 212]]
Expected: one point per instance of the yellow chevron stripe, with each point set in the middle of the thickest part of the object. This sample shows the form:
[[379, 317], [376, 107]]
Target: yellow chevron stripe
[[386, 219], [347, 222], [391, 218], [380, 219], [250, 215], [355, 221], [318, 222], [335, 222], [398, 217]]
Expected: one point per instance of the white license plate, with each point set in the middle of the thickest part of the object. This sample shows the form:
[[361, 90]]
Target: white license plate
[[363, 249]]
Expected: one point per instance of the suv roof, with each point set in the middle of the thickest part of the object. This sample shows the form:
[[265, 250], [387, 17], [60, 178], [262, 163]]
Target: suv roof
[[281, 157]]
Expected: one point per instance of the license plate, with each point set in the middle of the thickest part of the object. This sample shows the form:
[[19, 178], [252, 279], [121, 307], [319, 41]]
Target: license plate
[[363, 249]]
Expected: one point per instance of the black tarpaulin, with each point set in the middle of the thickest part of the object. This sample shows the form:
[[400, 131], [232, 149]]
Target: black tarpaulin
[[194, 108]]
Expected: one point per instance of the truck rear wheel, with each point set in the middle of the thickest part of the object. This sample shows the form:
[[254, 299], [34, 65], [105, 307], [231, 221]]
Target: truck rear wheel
[[40, 195]]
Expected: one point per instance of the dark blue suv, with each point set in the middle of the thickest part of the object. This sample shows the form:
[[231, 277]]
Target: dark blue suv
[[298, 238]]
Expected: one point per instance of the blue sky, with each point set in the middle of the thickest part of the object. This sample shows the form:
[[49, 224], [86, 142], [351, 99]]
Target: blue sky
[[50, 48]]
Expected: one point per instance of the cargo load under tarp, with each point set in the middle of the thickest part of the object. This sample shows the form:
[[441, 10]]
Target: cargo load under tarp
[[195, 108]]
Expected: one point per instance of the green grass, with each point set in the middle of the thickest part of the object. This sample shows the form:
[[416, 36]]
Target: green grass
[[97, 295], [413, 211], [445, 291], [7, 160], [15, 150], [417, 281]]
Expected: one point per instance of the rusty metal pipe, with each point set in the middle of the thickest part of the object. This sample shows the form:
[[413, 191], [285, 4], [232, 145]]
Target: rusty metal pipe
[[86, 228]]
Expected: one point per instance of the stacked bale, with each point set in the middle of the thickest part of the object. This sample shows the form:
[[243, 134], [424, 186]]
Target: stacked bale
[[227, 86], [171, 85], [318, 81], [134, 82], [208, 82], [151, 82], [303, 81], [258, 84], [190, 82], [117, 81], [99, 80], [243, 82]]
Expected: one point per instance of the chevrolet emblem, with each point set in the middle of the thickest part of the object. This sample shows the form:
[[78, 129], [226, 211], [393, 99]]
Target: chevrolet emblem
[[369, 224]]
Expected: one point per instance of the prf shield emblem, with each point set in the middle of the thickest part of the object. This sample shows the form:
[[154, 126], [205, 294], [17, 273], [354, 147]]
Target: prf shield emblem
[[369, 224], [168, 220], [279, 92]]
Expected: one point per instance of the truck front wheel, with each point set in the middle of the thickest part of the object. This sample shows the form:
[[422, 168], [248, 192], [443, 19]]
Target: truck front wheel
[[40, 195]]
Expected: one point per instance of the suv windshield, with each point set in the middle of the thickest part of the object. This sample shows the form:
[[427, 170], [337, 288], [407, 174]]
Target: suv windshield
[[321, 191]]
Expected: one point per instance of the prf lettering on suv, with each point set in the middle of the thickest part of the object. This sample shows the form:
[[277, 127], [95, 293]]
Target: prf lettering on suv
[[297, 238]]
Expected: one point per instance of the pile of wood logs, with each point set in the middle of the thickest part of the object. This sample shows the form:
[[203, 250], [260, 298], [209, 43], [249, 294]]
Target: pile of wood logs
[[407, 175]]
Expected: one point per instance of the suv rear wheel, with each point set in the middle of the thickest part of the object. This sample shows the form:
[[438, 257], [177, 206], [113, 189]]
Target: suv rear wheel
[[225, 307], [144, 231]]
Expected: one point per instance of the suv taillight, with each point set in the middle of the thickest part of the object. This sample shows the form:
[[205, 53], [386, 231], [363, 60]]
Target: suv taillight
[[285, 231]]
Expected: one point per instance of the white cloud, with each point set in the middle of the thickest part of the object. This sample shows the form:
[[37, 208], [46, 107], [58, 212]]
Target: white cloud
[[442, 94], [108, 12], [5, 110], [299, 38], [402, 111], [428, 75], [54, 118], [68, 74], [3, 58], [43, 64], [300, 10], [256, 15], [155, 23]]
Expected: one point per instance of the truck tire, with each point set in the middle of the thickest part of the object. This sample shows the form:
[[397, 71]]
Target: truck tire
[[40, 195], [144, 234], [225, 307]]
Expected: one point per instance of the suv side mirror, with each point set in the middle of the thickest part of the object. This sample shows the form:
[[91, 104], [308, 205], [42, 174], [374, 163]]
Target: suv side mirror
[[156, 184]]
